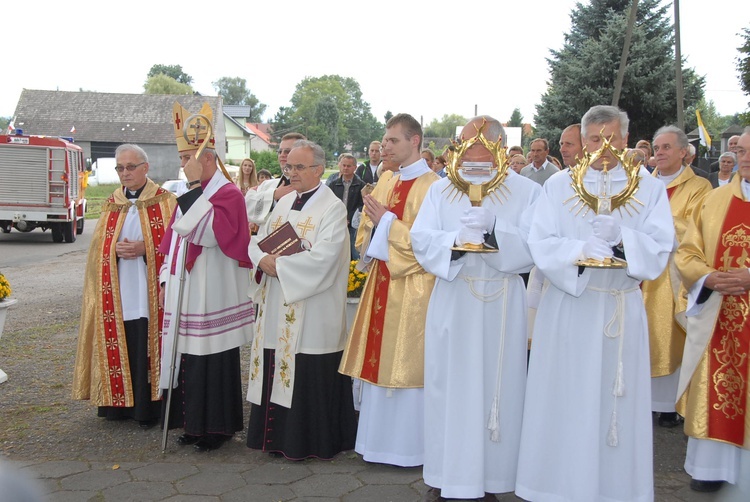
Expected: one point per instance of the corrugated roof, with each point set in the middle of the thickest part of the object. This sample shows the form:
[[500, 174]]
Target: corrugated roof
[[110, 117]]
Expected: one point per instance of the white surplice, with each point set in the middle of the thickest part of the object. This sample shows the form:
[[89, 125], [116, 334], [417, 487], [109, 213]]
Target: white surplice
[[214, 319], [259, 201], [587, 430], [303, 309], [475, 341]]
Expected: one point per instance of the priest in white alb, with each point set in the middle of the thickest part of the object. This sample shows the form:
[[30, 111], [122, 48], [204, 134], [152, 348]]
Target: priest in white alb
[[587, 431], [301, 406], [475, 343]]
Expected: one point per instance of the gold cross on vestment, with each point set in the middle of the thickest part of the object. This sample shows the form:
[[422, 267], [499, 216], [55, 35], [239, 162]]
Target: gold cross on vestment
[[276, 224], [305, 226]]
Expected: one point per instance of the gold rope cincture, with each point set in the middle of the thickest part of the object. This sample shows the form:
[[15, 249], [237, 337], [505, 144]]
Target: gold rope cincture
[[618, 388]]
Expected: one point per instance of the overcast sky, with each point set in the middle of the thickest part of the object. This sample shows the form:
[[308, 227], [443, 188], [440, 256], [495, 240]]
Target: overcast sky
[[426, 58]]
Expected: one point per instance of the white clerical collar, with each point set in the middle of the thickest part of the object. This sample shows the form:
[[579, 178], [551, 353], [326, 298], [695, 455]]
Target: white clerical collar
[[671, 177], [414, 170], [745, 189]]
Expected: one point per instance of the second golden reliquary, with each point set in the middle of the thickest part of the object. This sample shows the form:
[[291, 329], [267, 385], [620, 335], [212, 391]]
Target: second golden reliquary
[[477, 179], [603, 201]]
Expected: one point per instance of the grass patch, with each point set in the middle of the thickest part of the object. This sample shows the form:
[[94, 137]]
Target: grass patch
[[96, 196]]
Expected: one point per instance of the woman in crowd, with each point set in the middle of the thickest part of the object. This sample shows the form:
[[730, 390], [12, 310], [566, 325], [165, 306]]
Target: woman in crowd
[[247, 178], [727, 161]]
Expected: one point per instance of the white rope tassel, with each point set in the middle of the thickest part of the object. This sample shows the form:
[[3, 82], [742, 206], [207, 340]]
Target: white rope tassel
[[619, 389], [493, 424], [612, 436]]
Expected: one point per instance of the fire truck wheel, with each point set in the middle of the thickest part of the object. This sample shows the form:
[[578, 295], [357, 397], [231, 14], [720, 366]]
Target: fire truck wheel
[[79, 226], [69, 231], [7, 228], [57, 233]]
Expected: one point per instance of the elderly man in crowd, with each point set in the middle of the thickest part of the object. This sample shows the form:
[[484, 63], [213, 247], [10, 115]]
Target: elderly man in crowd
[[715, 375], [570, 145], [208, 233], [589, 366], [121, 317], [475, 348], [368, 170], [663, 296], [301, 406]]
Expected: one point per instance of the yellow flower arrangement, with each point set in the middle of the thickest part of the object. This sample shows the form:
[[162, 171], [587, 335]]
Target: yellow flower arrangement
[[356, 281], [5, 290]]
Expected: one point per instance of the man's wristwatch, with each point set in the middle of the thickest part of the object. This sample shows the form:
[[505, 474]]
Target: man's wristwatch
[[191, 184]]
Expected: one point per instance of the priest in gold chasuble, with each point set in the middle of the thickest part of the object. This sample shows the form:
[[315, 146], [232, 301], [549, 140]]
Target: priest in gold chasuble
[[386, 343], [714, 387], [117, 362], [664, 296]]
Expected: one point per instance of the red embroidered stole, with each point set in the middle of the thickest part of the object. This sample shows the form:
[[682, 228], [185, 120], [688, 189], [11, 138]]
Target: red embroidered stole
[[113, 328], [382, 278], [729, 347]]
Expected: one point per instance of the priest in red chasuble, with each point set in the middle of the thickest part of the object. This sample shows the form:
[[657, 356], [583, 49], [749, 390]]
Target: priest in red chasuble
[[117, 364], [714, 261]]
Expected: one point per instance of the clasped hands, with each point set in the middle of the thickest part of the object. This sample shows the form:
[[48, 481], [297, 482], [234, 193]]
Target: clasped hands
[[606, 234], [129, 250], [731, 282], [476, 222]]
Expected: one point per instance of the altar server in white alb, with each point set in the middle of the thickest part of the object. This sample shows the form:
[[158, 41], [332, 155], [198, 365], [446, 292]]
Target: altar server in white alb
[[475, 344], [302, 406], [587, 430], [216, 316]]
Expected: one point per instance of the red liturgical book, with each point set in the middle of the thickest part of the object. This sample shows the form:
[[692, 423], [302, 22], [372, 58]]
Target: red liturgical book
[[283, 241]]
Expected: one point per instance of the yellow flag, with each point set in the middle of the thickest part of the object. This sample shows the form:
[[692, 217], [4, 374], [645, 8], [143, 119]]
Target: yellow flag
[[702, 132]]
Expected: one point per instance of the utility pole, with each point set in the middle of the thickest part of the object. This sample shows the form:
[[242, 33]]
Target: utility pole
[[625, 54], [678, 67]]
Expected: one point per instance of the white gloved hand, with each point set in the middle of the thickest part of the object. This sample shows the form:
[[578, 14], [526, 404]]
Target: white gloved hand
[[468, 235], [480, 218], [607, 228], [597, 248]]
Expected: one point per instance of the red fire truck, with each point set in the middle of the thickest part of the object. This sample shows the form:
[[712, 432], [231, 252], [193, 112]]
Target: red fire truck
[[42, 185]]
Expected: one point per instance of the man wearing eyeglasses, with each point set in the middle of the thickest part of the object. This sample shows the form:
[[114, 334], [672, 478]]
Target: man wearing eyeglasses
[[260, 202], [386, 346], [301, 406], [209, 233], [121, 316]]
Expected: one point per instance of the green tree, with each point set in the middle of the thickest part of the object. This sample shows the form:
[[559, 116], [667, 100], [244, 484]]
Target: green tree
[[163, 84], [4, 121], [235, 92], [516, 119], [283, 122], [170, 70], [444, 127], [388, 115], [356, 126], [583, 72], [266, 159], [743, 67]]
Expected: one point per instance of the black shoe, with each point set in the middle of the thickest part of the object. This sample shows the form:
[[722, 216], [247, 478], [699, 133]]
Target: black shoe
[[275, 454], [187, 439], [210, 442], [669, 420], [705, 486]]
